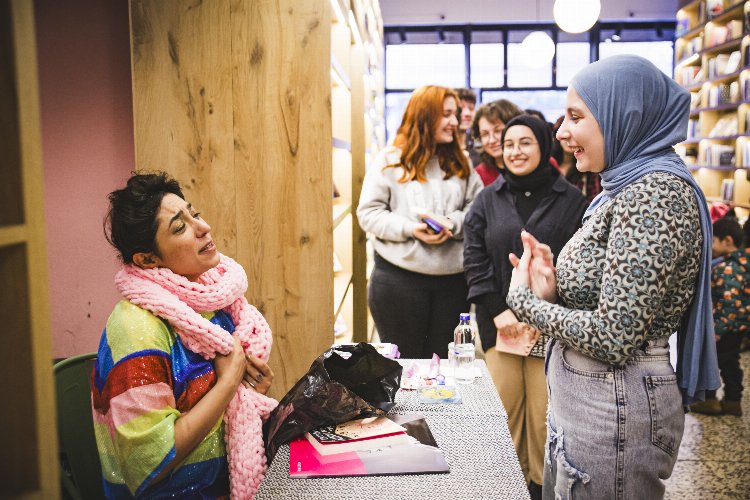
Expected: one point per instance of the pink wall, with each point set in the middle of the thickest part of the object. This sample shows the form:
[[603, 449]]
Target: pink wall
[[87, 137]]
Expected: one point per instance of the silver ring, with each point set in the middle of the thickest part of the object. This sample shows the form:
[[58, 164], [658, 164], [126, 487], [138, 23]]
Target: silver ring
[[252, 384]]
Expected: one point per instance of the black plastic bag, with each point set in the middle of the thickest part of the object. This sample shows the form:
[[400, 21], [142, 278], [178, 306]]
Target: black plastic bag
[[343, 383]]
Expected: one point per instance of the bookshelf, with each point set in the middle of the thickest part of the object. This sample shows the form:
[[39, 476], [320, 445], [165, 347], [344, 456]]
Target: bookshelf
[[358, 132], [712, 61]]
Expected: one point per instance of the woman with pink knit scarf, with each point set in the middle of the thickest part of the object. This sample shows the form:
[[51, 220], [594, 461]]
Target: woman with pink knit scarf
[[178, 390]]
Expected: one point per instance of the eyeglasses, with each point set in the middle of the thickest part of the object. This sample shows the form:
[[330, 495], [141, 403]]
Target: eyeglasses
[[524, 145], [486, 136]]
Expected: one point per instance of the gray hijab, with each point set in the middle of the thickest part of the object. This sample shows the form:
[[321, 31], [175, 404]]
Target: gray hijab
[[643, 113]]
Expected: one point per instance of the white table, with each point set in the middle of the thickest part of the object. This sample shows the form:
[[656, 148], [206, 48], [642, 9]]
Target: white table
[[474, 437]]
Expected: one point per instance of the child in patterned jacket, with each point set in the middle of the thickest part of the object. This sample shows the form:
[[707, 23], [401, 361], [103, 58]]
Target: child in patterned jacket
[[730, 292]]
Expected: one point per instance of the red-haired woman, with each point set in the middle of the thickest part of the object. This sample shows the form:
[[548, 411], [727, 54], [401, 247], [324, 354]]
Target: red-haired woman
[[417, 288]]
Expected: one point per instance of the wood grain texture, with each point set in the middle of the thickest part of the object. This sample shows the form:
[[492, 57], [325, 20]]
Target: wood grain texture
[[182, 93], [282, 137], [359, 237], [28, 450], [233, 98]]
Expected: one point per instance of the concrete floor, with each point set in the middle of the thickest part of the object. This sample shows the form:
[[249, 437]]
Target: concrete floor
[[714, 458]]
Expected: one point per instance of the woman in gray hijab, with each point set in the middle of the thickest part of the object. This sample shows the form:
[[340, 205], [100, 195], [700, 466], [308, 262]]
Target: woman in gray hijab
[[636, 272]]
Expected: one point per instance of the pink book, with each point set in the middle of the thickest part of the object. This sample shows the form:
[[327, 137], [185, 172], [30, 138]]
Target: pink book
[[420, 455]]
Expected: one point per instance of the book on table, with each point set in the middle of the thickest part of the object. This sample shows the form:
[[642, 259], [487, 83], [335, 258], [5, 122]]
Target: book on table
[[355, 435], [419, 455]]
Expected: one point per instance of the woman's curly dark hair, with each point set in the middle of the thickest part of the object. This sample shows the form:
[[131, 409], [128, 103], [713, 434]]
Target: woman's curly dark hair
[[131, 222]]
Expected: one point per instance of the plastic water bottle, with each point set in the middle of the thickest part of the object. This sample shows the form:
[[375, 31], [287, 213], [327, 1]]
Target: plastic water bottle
[[463, 350]]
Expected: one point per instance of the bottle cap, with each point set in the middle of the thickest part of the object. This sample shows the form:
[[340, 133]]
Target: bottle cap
[[464, 317]]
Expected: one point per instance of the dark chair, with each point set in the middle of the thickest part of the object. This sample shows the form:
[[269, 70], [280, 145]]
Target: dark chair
[[80, 469]]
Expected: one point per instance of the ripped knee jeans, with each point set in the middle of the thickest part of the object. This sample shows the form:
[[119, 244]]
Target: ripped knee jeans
[[612, 432]]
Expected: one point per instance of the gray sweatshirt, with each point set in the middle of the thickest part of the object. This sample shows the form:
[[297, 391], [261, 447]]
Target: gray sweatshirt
[[388, 210]]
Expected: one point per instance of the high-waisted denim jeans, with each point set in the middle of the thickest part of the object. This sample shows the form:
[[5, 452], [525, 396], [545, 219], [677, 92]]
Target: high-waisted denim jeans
[[612, 432]]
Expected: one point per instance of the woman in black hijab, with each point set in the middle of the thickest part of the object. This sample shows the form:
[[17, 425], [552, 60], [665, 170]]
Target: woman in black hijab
[[532, 195]]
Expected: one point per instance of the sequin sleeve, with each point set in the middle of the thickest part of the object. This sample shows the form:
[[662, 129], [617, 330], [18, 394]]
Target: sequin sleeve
[[133, 399]]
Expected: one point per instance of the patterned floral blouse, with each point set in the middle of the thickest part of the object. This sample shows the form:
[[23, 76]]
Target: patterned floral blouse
[[627, 275]]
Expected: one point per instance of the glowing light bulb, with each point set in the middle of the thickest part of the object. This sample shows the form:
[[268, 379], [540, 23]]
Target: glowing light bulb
[[576, 16], [537, 49]]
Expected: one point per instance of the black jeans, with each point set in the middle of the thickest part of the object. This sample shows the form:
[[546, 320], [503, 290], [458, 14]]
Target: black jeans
[[417, 312], [728, 354]]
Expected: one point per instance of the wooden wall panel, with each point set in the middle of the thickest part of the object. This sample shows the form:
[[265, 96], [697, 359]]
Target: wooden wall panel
[[28, 448], [182, 93], [282, 136], [234, 99]]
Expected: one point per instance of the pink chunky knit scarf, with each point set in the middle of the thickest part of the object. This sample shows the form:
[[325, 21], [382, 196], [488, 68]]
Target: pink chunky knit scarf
[[179, 301]]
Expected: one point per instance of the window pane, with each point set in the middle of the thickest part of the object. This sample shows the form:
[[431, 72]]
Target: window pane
[[487, 65], [411, 66], [571, 57], [519, 73], [395, 104], [550, 102], [659, 53]]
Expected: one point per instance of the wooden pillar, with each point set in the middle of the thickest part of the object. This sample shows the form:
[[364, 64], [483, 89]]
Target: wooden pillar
[[28, 447], [233, 98], [359, 255]]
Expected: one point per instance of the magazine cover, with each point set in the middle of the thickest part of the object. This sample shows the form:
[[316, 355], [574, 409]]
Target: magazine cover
[[421, 456]]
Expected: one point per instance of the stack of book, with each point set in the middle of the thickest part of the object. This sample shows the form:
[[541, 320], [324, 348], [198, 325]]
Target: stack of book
[[402, 444], [357, 435]]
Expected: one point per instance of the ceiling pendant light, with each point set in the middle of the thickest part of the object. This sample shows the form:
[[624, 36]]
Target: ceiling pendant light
[[537, 49], [576, 16]]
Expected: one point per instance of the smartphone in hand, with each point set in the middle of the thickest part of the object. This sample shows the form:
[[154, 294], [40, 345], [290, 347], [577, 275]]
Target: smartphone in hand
[[435, 223], [432, 225]]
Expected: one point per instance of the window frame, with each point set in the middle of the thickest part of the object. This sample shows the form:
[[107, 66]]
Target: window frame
[[593, 39]]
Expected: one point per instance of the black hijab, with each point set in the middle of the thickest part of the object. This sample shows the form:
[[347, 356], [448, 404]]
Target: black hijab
[[529, 190]]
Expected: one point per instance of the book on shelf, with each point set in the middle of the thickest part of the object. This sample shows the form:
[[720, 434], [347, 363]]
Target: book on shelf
[[695, 99], [733, 62], [693, 128], [714, 7], [745, 150], [735, 29], [357, 435], [725, 126], [682, 26], [687, 75], [719, 154], [717, 36], [421, 455], [727, 189]]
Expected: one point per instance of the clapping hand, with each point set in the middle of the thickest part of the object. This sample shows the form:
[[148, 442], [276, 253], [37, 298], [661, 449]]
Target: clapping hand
[[535, 268]]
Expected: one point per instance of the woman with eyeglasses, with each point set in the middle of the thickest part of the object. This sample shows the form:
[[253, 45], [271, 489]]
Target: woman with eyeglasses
[[417, 288], [489, 122], [531, 195]]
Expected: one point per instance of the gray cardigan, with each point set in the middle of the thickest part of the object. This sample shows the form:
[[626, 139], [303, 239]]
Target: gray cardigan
[[387, 210]]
